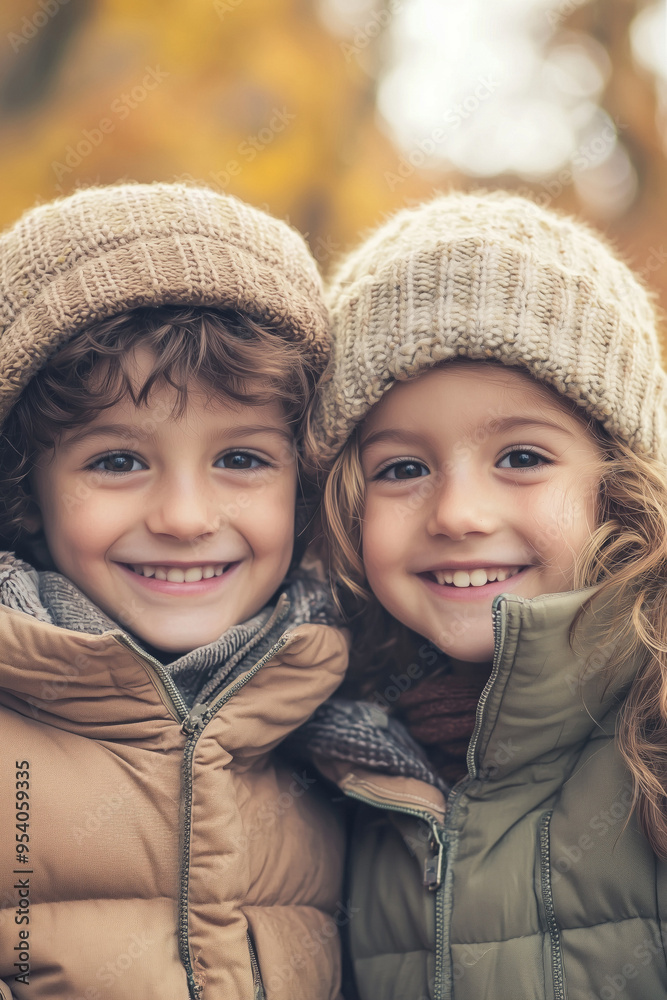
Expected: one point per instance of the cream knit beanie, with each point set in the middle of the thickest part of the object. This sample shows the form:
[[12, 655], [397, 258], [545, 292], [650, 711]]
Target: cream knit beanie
[[493, 276], [104, 250]]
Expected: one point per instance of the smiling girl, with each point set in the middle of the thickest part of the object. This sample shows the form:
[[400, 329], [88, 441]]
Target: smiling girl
[[496, 513]]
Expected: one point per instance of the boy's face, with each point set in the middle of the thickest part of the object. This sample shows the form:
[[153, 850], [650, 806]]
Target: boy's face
[[478, 482], [178, 528]]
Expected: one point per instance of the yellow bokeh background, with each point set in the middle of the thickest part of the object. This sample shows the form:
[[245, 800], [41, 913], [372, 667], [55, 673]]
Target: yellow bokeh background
[[260, 98]]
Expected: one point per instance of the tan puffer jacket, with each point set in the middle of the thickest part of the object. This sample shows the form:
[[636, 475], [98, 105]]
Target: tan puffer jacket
[[170, 856]]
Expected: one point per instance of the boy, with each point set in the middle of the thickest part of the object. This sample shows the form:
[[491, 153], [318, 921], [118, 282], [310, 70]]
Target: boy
[[159, 347]]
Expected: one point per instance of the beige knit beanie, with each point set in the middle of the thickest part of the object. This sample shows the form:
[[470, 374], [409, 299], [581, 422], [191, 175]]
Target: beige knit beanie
[[104, 250], [493, 276]]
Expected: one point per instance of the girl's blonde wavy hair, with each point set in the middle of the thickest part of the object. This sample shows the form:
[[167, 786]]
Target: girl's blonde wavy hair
[[627, 551]]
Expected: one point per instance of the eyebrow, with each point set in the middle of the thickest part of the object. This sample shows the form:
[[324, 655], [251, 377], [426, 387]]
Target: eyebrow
[[498, 426], [99, 430], [133, 433], [250, 430]]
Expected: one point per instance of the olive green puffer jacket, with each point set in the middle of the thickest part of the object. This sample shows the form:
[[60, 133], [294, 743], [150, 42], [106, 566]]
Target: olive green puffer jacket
[[535, 882]]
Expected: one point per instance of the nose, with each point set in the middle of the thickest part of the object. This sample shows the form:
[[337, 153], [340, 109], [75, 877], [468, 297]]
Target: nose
[[182, 508], [460, 505]]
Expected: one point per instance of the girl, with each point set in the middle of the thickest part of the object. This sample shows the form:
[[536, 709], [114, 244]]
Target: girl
[[506, 505]]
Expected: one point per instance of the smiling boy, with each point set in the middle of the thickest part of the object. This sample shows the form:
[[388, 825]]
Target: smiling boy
[[159, 347], [149, 532]]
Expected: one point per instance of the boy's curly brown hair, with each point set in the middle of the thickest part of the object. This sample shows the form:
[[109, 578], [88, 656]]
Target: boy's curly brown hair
[[223, 352]]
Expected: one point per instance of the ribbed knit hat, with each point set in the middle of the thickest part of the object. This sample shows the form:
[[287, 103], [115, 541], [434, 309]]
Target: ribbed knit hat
[[104, 250], [493, 276]]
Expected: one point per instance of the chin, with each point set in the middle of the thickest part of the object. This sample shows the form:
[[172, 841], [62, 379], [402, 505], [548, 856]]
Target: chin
[[478, 653], [177, 645]]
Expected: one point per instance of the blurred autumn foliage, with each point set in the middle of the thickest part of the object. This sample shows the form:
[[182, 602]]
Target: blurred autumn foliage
[[263, 99]]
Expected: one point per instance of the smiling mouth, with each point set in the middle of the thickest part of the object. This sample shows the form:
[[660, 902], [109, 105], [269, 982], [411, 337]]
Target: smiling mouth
[[176, 574], [462, 578]]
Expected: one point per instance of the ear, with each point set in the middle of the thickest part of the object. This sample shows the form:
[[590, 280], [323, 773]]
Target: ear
[[32, 519]]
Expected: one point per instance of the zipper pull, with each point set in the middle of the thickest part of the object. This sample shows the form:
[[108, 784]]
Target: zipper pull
[[434, 867], [194, 720]]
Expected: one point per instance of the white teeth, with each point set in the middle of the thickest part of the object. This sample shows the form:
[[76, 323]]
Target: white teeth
[[474, 577], [194, 574], [175, 574]]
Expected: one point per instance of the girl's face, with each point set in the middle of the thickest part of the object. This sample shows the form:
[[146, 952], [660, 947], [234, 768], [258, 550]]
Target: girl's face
[[479, 482]]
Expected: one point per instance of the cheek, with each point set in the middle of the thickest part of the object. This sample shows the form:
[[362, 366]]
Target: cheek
[[563, 520], [268, 521], [81, 524], [381, 541], [74, 540]]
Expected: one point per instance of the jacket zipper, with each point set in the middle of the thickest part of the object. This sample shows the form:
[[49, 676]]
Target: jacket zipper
[[443, 969], [193, 724], [498, 618], [557, 972], [258, 985], [434, 873], [443, 964], [167, 680]]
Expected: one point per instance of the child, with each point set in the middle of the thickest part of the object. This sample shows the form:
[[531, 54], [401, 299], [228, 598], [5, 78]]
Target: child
[[496, 413], [159, 346]]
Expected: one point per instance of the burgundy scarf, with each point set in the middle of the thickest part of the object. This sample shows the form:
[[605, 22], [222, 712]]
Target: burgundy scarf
[[440, 714]]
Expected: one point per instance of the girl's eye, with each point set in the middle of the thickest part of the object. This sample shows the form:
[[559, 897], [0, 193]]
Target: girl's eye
[[240, 460], [120, 462], [522, 458], [404, 470]]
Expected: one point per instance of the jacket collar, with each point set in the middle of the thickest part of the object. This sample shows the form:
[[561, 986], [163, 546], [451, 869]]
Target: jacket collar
[[544, 700], [548, 694], [65, 663], [100, 687], [51, 597]]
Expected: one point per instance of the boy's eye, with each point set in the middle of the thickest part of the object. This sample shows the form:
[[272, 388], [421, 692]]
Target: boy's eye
[[119, 462], [522, 458], [404, 470], [240, 460]]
